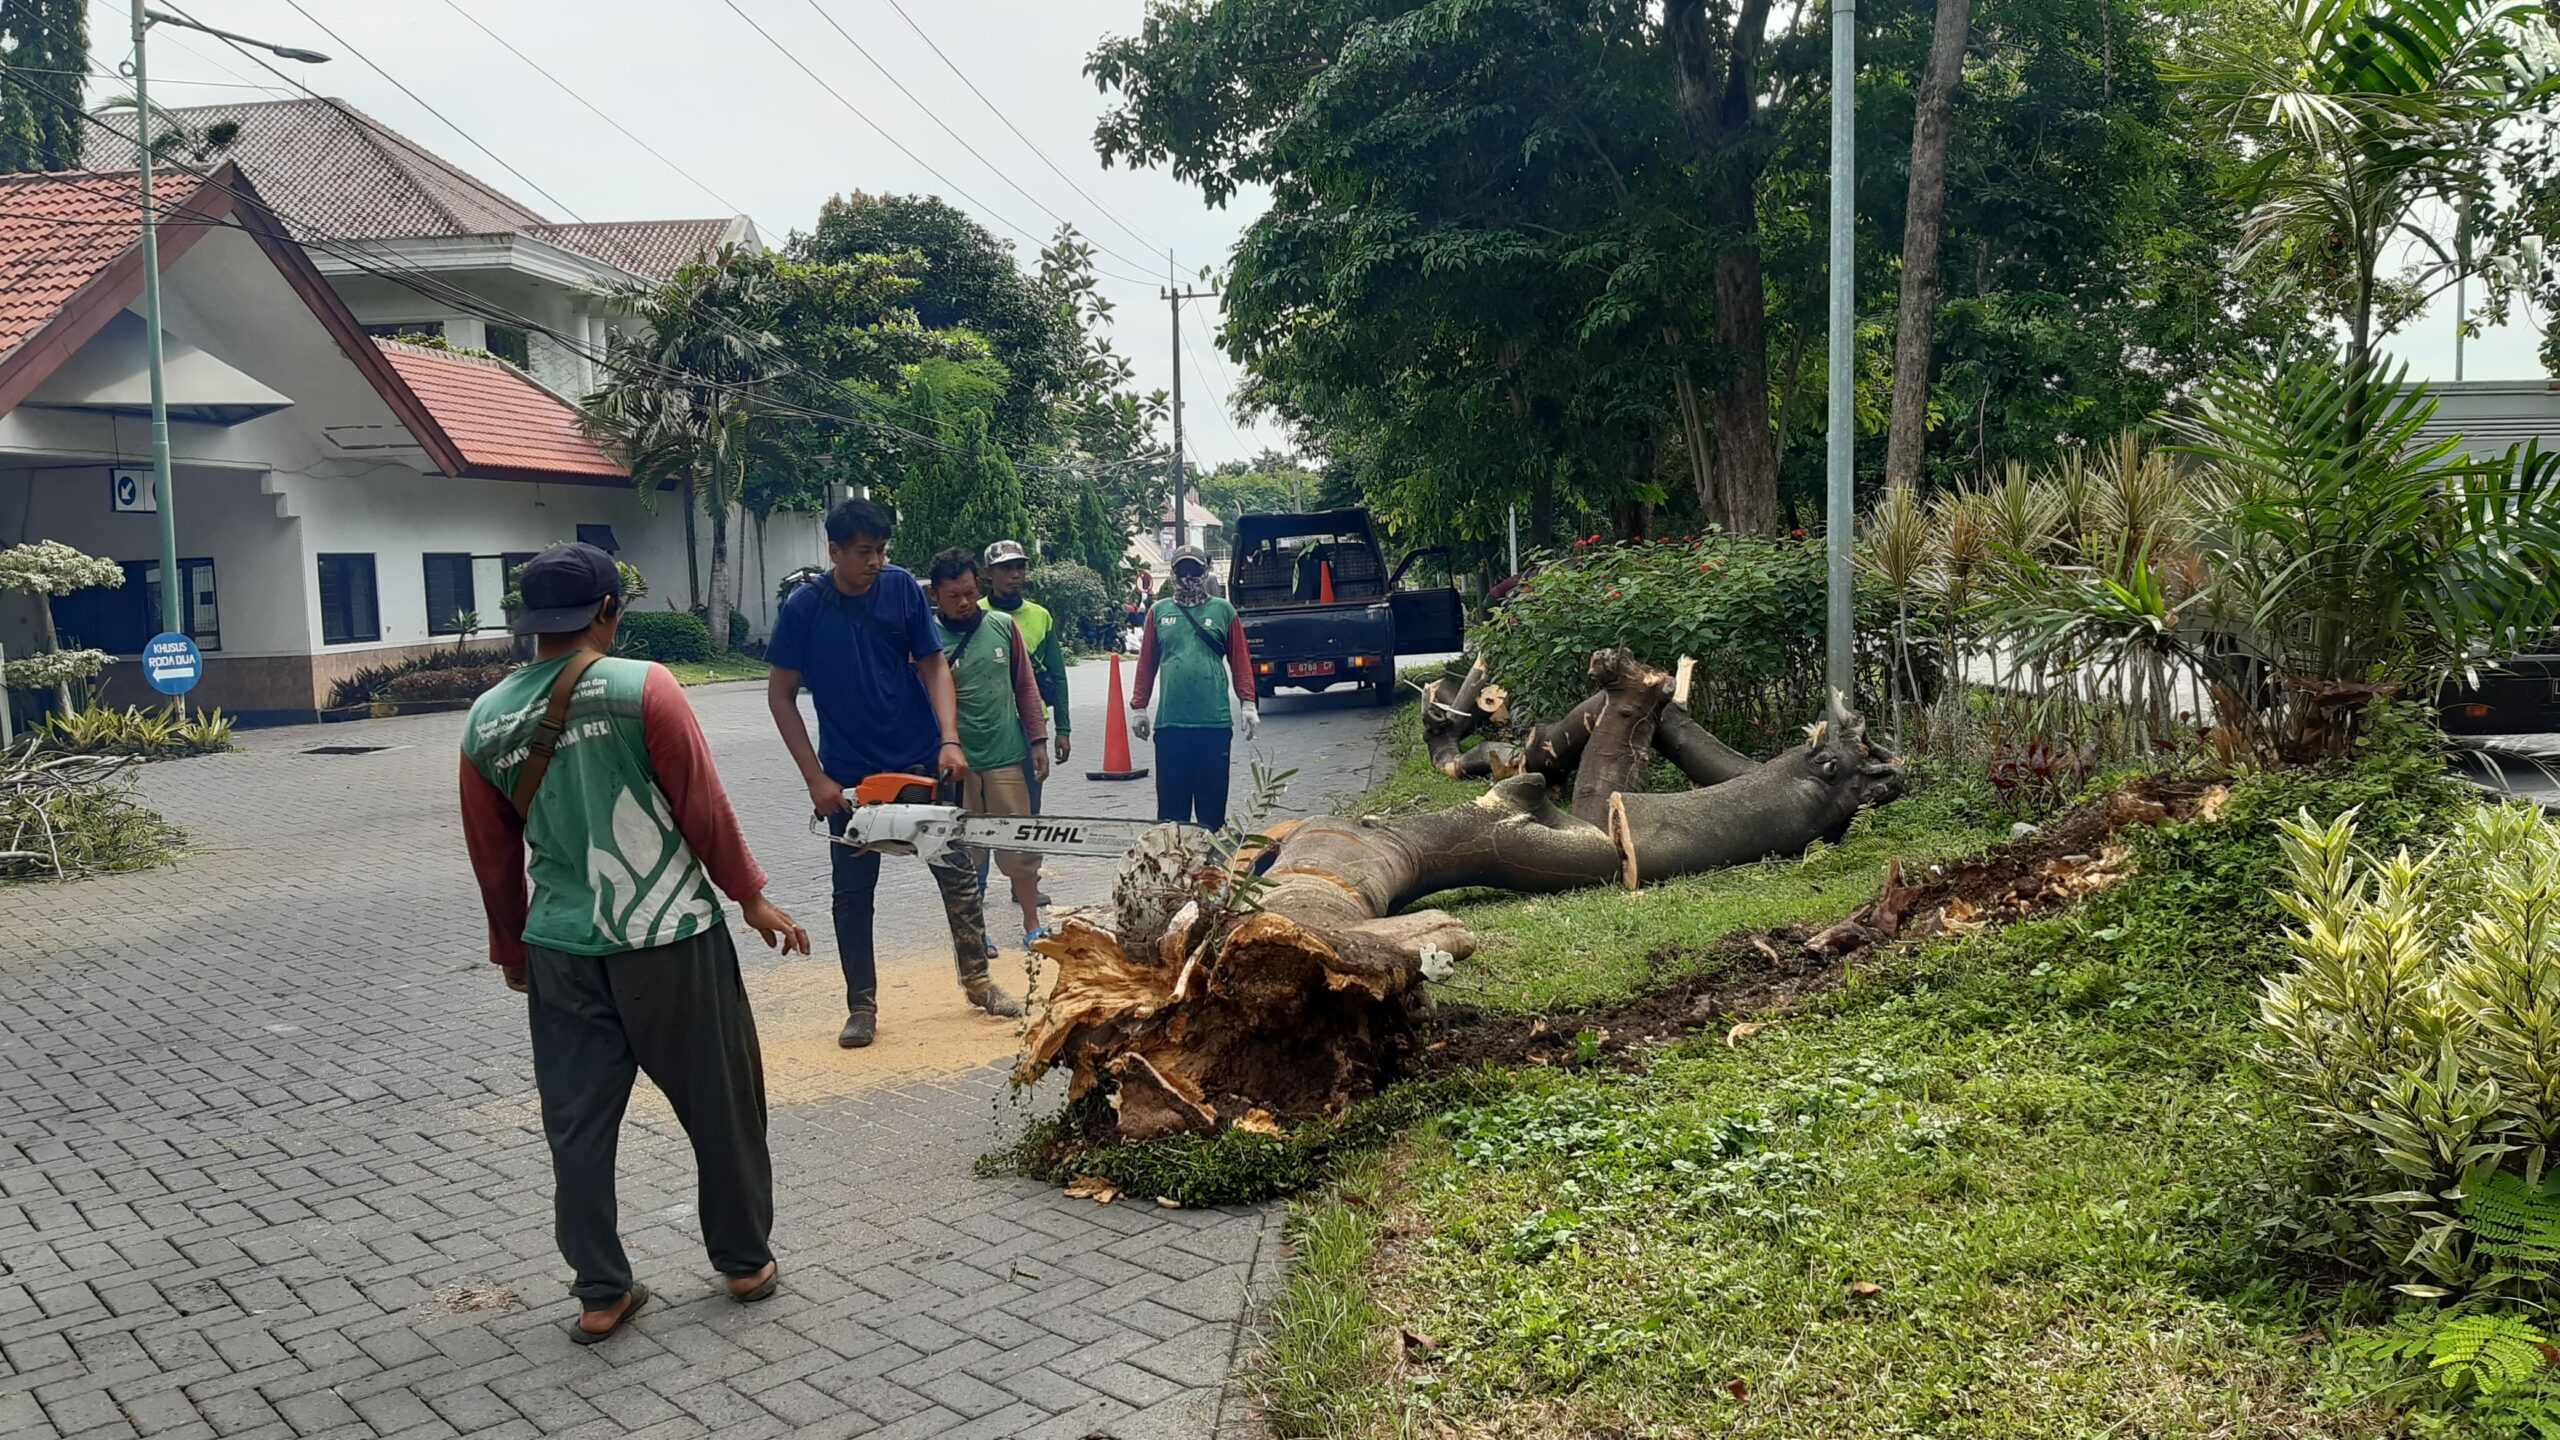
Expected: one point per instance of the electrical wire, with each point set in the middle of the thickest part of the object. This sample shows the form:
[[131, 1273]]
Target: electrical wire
[[1126, 228], [563, 87], [434, 288], [992, 167], [1227, 384], [900, 146], [634, 264]]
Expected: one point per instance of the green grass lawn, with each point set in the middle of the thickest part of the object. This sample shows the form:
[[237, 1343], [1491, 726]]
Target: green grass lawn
[[2020, 1186], [728, 666]]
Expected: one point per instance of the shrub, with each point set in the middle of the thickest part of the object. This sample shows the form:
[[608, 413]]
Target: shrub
[[374, 681], [1074, 595], [161, 734], [1749, 610], [446, 682], [664, 636], [47, 669], [2421, 1028]]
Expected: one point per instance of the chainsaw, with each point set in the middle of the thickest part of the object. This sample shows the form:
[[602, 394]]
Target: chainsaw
[[908, 815]]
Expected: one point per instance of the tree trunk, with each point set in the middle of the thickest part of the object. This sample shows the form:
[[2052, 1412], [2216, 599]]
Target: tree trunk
[[692, 548], [1298, 1004], [1715, 70], [1915, 332], [52, 642], [1706, 760], [1452, 713], [1620, 749], [720, 581]]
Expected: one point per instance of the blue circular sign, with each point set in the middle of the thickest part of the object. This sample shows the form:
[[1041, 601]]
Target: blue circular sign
[[172, 663]]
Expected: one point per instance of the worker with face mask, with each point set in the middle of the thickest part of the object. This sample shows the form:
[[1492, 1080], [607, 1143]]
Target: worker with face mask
[[1195, 643]]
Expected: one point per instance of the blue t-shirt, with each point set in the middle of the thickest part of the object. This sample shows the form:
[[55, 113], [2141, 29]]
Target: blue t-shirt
[[873, 716]]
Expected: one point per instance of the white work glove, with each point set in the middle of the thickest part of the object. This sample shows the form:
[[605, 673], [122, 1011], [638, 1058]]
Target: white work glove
[[1144, 726], [1252, 720]]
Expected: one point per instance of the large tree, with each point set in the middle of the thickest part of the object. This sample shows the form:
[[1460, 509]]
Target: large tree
[[746, 374], [40, 119]]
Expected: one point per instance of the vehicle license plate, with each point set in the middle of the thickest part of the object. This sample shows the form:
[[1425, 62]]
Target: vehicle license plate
[[1310, 667]]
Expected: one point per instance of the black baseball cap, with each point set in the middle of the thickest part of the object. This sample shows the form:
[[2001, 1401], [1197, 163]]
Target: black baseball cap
[[564, 587]]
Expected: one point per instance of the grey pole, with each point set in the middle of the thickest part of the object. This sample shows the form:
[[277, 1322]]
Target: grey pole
[[1840, 521], [1172, 292], [1515, 539], [172, 612]]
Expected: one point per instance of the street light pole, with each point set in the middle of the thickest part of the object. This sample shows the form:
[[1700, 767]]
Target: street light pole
[[172, 611], [172, 599], [1840, 522]]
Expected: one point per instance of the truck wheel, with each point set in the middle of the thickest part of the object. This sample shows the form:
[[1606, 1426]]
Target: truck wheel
[[1382, 691]]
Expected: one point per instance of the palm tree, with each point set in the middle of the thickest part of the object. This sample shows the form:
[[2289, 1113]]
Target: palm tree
[[680, 402], [2358, 114]]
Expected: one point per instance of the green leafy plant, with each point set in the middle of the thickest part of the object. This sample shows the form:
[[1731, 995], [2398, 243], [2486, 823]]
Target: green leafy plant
[[1749, 610], [2420, 1027], [663, 636], [2493, 1366], [151, 734]]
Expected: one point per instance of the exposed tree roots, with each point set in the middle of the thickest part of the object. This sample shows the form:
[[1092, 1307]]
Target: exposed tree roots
[[1293, 994]]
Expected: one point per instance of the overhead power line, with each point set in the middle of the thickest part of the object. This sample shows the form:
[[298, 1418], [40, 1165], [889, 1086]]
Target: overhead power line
[[435, 288], [901, 146], [1112, 215], [929, 113], [563, 87]]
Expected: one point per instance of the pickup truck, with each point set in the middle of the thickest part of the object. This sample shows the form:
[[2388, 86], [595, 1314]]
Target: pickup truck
[[1284, 568]]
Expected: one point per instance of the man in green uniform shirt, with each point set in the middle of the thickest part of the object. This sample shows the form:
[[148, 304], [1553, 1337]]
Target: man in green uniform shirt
[[1195, 643], [1008, 571], [1004, 731]]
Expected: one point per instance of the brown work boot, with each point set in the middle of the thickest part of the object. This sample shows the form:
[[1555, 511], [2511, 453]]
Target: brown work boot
[[987, 995]]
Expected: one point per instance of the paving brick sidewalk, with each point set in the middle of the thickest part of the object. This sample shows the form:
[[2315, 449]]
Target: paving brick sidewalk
[[269, 1162]]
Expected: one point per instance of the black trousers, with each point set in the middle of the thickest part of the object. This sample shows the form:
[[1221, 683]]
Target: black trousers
[[1191, 773], [856, 877], [677, 1013]]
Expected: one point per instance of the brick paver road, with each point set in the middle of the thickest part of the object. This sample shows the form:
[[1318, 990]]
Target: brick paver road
[[270, 1166]]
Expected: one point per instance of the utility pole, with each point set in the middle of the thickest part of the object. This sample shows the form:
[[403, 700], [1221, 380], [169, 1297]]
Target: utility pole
[[1174, 295], [1840, 521], [172, 590]]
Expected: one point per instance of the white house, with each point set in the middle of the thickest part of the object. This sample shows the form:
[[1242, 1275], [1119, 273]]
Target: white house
[[339, 500]]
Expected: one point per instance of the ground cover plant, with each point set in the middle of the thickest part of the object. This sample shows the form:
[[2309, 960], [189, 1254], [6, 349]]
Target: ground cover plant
[[161, 734]]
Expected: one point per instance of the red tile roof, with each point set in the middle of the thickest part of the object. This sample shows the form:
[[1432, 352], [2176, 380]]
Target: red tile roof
[[56, 233], [505, 425]]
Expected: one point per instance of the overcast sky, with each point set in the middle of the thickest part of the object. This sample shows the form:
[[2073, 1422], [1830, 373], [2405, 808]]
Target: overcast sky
[[696, 82]]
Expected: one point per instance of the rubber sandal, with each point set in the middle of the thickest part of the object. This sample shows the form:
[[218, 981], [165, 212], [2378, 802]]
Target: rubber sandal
[[761, 1292], [583, 1336]]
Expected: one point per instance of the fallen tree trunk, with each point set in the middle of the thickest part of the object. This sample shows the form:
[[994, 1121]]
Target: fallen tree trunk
[[1706, 760], [1294, 993], [1451, 714]]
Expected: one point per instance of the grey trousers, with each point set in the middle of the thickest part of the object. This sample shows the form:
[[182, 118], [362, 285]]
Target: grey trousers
[[677, 1013]]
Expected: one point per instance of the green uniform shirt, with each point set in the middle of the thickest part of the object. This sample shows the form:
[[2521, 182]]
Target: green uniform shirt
[[990, 716], [1191, 678], [611, 871], [1048, 658]]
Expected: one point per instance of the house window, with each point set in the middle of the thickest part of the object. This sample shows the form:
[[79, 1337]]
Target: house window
[[120, 621], [450, 593], [350, 609], [511, 344], [601, 537], [434, 328]]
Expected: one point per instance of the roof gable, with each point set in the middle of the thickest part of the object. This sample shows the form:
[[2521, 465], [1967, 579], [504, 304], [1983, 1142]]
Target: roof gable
[[82, 263]]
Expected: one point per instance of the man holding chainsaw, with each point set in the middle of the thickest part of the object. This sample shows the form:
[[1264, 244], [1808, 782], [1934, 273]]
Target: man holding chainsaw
[[863, 643], [1196, 643], [1004, 730], [597, 767]]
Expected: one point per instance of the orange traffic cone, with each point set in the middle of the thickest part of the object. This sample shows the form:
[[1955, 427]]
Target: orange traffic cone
[[1324, 584], [1115, 735]]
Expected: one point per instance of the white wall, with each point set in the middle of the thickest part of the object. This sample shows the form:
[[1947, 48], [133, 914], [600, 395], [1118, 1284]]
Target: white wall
[[225, 516]]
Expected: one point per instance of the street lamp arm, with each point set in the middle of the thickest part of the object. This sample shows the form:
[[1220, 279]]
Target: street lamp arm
[[289, 52]]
